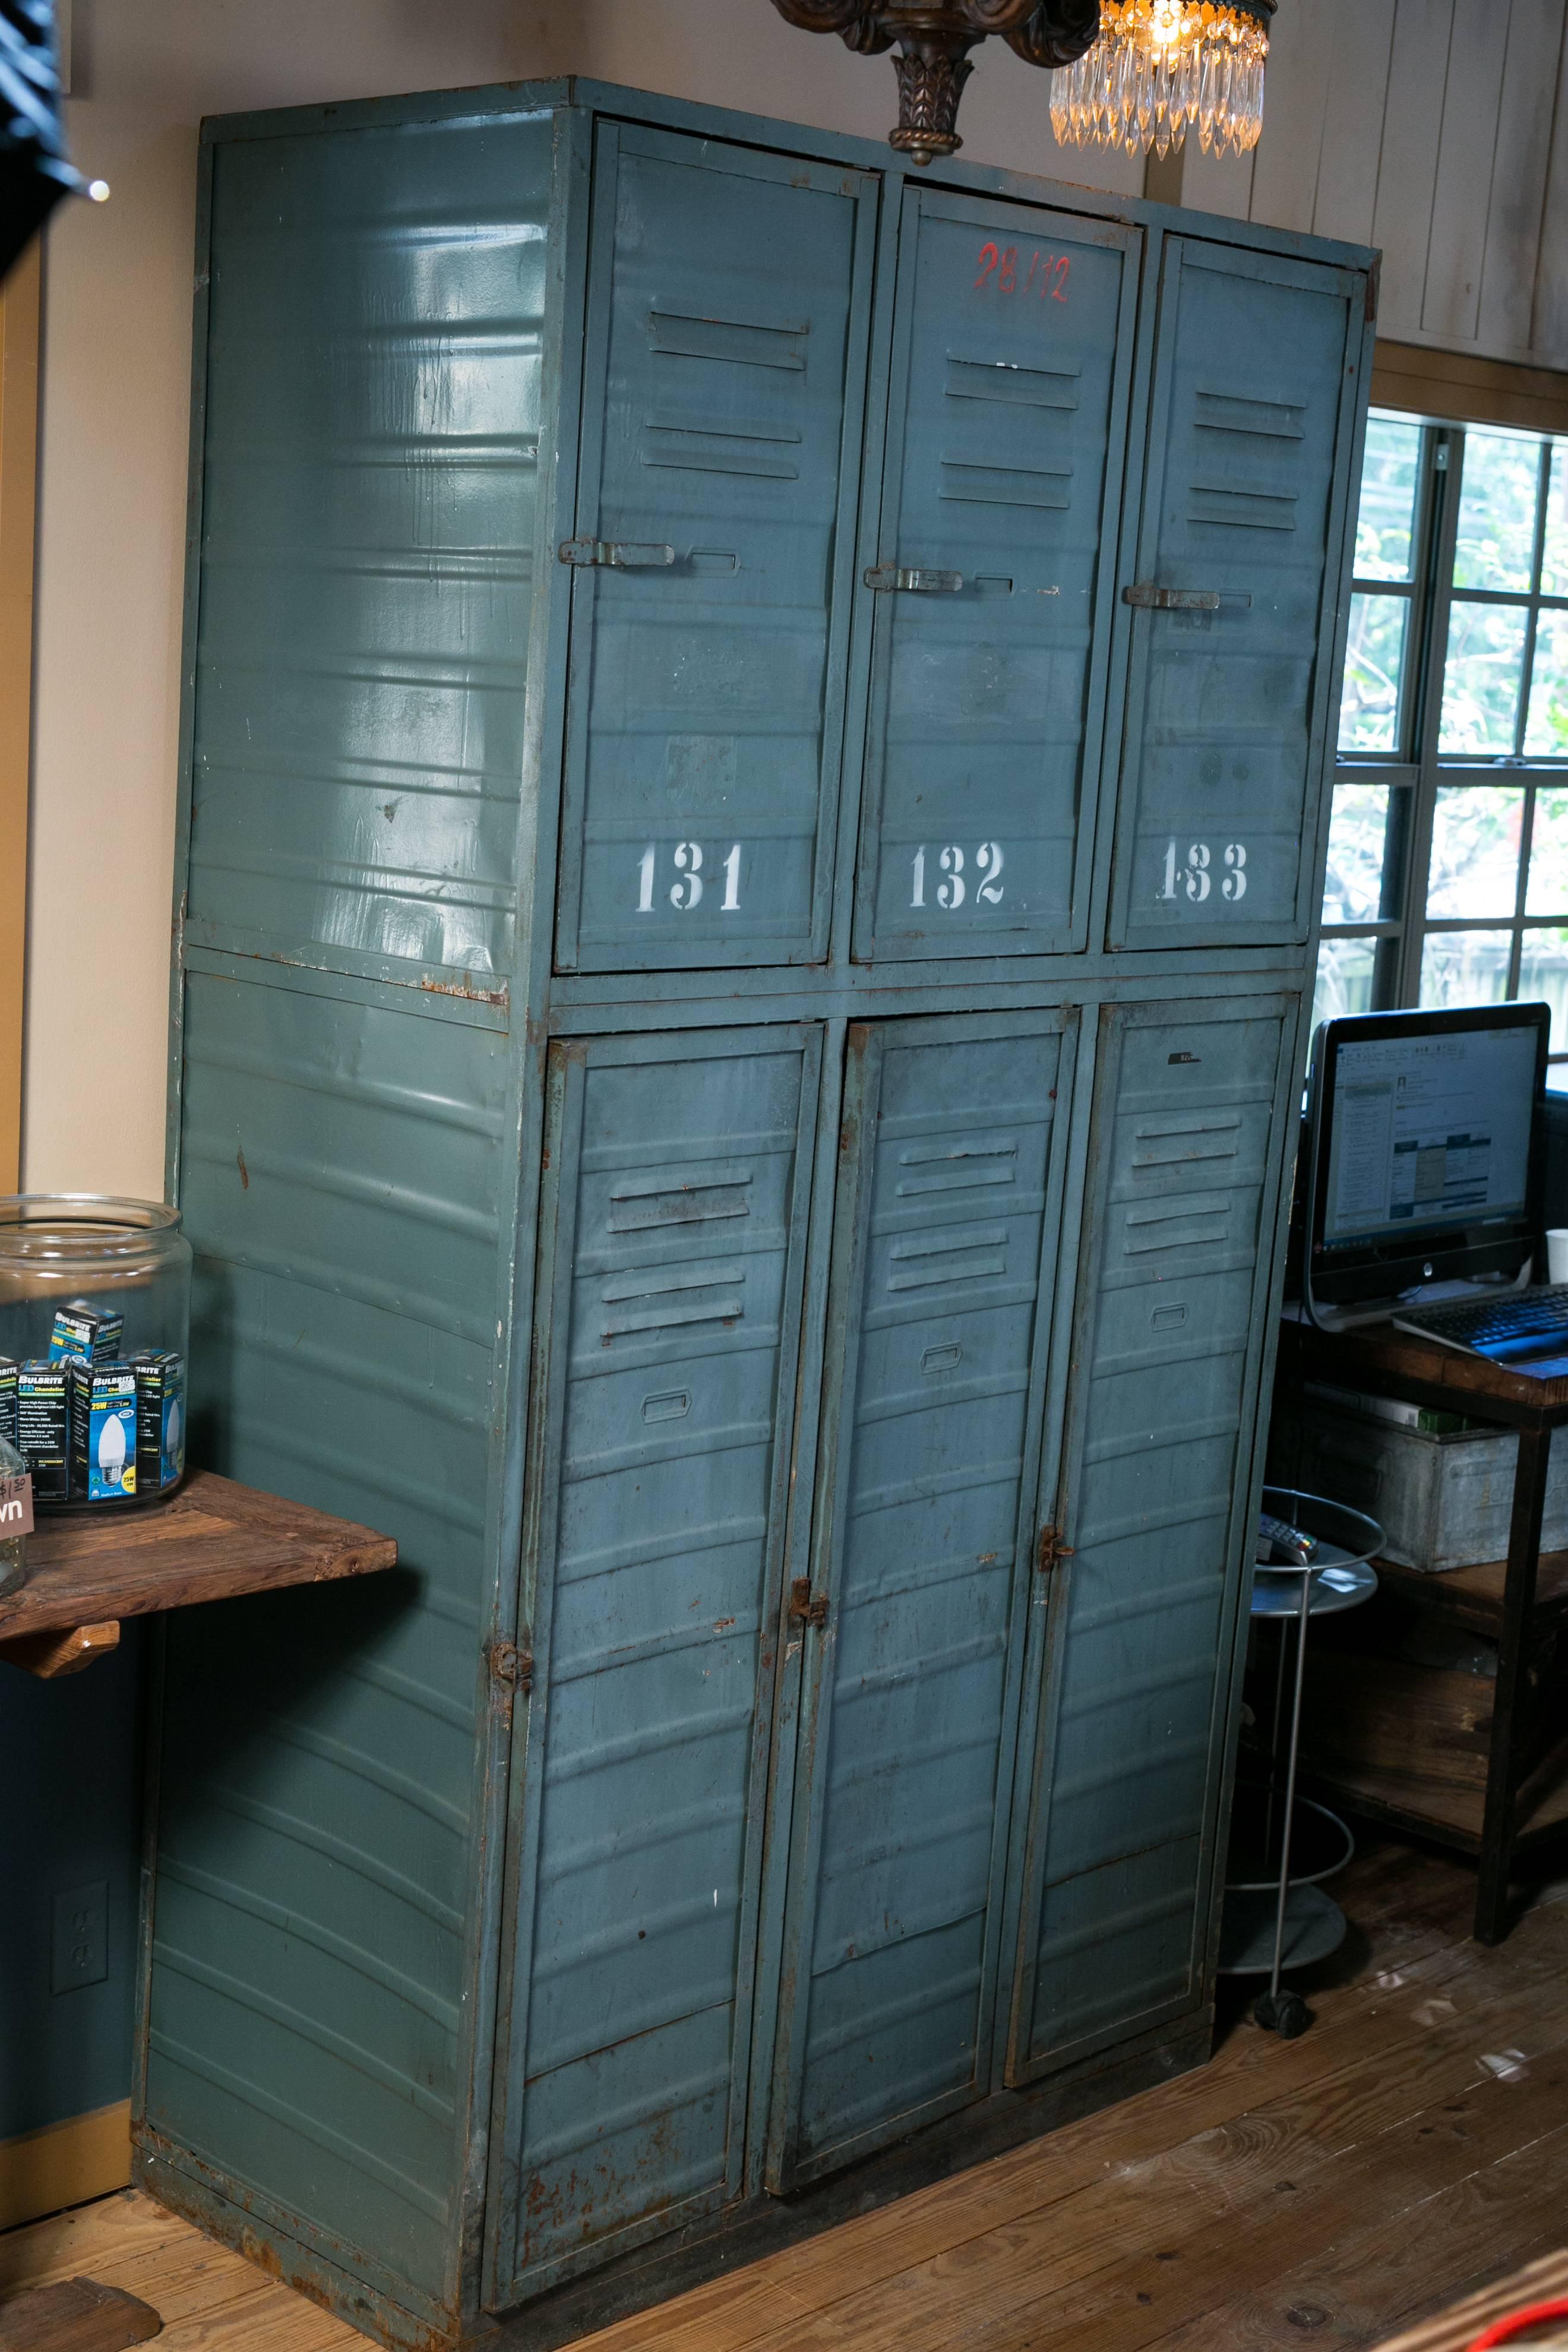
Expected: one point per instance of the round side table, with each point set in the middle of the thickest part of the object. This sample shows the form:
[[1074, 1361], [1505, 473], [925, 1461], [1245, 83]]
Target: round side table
[[1282, 1922]]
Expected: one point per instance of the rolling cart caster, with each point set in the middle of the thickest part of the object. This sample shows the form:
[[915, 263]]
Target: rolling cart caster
[[1284, 2013]]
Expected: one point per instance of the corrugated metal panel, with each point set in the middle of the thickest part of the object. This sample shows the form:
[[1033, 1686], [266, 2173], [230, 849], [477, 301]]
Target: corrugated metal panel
[[314, 1831], [368, 477], [1185, 1111], [1012, 351], [949, 1201], [727, 323], [1227, 709], [660, 1459]]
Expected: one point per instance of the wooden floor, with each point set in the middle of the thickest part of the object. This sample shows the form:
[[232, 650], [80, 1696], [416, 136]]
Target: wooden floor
[[1410, 2147]]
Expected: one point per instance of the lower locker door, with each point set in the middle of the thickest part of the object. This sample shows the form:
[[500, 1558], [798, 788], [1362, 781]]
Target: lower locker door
[[1190, 1114], [944, 1243], [665, 1370]]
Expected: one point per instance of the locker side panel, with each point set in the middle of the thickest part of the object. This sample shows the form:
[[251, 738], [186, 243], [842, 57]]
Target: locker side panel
[[1229, 723], [727, 325], [368, 483], [1166, 1368], [673, 1331], [954, 1202], [341, 1166]]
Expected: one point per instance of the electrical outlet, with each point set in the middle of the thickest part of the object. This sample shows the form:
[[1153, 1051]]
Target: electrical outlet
[[81, 1936]]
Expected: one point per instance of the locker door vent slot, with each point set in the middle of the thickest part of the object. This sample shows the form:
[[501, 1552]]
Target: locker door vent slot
[[954, 1256], [1006, 486], [639, 1203], [988, 1163], [1166, 1225], [710, 449], [1222, 412], [1018, 387], [1242, 509], [747, 343], [676, 1284]]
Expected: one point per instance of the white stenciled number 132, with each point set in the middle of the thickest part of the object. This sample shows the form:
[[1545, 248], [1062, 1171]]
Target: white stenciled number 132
[[1198, 877], [952, 885]]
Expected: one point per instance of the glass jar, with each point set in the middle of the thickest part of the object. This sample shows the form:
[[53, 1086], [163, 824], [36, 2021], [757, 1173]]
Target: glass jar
[[13, 1548], [95, 1317]]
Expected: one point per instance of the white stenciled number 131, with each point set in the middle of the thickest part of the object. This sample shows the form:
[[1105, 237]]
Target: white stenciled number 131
[[687, 889]]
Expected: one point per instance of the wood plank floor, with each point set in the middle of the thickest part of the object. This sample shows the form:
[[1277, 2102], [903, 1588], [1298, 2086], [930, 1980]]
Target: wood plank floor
[[1412, 2147]]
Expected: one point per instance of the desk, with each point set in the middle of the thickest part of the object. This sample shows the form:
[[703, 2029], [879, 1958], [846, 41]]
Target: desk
[[1386, 1362], [210, 1541]]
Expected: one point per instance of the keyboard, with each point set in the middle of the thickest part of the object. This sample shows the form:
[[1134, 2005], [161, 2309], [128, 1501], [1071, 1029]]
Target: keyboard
[[1515, 1329]]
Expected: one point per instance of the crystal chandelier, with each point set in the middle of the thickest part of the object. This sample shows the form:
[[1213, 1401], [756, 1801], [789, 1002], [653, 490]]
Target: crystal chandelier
[[1159, 64]]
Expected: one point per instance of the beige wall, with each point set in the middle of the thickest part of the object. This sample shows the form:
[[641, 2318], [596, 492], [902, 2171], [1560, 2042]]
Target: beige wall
[[116, 408]]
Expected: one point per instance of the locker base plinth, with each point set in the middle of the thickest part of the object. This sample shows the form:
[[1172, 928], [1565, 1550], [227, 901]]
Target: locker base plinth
[[642, 2279]]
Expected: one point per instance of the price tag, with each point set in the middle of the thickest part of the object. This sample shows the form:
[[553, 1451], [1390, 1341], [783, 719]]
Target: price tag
[[17, 1506]]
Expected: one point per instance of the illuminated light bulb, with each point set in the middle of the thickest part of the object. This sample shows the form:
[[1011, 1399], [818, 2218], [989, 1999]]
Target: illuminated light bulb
[[1159, 65], [99, 191]]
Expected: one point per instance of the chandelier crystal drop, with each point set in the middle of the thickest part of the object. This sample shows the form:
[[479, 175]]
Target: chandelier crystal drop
[[1160, 65]]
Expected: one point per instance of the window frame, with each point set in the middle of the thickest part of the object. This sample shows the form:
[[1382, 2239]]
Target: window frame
[[1417, 770]]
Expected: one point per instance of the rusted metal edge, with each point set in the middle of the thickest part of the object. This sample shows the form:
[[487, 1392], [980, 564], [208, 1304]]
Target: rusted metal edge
[[216, 2205]]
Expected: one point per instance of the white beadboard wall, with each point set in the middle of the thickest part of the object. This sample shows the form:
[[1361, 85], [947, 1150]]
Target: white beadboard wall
[[1437, 130]]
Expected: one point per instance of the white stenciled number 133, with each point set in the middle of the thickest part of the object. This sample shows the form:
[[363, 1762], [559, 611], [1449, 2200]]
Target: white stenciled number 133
[[1196, 878]]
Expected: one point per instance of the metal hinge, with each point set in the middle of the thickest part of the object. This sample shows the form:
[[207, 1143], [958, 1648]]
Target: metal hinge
[[1051, 1550], [888, 578], [511, 1666], [617, 554], [1146, 598], [803, 1609]]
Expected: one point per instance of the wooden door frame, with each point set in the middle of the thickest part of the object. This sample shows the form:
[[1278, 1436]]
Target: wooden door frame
[[19, 307]]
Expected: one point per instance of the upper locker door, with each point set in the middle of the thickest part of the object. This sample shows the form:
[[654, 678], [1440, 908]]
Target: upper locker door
[[1191, 1106], [995, 577], [1252, 425], [729, 297], [664, 1380], [945, 1240]]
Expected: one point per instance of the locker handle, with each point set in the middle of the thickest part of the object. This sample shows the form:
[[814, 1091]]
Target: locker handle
[[1052, 1550], [513, 1666], [617, 554], [802, 1609], [1147, 598], [888, 578]]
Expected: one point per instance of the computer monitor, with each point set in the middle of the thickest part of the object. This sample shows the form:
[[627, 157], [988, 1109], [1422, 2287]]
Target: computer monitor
[[1425, 1153]]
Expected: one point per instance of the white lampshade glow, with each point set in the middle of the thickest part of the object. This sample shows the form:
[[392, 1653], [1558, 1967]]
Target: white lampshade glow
[[1158, 66]]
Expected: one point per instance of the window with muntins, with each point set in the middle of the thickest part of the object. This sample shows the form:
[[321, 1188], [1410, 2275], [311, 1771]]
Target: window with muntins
[[1447, 867]]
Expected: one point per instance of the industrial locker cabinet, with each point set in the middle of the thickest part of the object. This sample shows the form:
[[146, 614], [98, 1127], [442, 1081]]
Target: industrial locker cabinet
[[755, 735]]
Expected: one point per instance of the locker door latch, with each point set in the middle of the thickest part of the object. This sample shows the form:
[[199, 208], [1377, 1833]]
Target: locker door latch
[[1051, 1550], [1146, 598], [513, 1666], [803, 1608], [617, 554], [887, 578]]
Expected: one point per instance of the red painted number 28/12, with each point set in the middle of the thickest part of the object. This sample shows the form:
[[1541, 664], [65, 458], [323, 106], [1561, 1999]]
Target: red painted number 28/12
[[1049, 271]]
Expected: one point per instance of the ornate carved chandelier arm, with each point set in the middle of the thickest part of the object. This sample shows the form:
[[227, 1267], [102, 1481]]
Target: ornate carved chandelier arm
[[820, 15], [934, 39], [1057, 35]]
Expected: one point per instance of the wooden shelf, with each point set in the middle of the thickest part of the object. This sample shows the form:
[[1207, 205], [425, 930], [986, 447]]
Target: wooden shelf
[[1474, 1596], [211, 1541], [1457, 1815]]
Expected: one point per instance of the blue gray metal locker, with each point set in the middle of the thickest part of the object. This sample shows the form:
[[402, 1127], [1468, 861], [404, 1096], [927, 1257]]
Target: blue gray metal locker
[[755, 744]]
